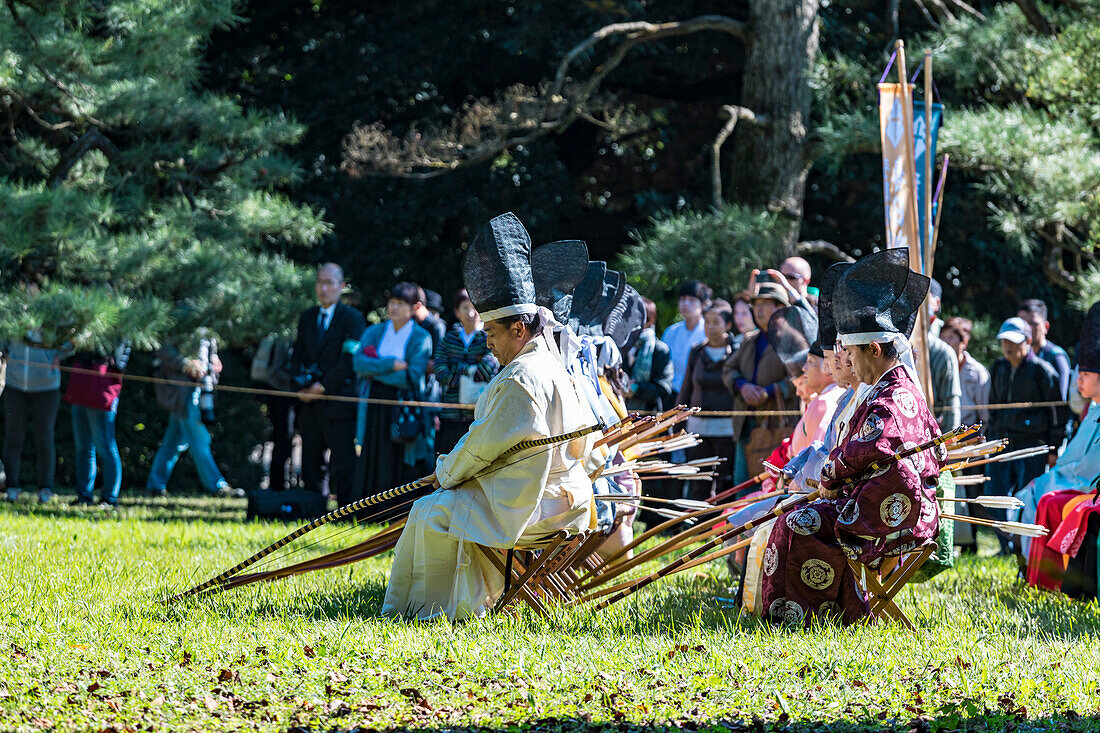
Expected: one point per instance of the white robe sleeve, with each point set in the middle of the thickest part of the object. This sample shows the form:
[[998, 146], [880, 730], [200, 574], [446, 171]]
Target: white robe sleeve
[[510, 415]]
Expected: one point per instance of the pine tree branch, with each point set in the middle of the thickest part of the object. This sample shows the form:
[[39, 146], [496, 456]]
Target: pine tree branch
[[373, 150], [91, 140], [736, 114], [826, 249], [57, 83]]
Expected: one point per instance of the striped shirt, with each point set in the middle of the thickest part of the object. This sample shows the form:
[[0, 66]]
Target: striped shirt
[[453, 358]]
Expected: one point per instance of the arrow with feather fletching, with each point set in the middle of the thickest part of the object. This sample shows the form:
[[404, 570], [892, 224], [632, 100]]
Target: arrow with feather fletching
[[365, 502]]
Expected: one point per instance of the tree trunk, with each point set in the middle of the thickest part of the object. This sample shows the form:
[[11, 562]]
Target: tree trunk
[[770, 162]]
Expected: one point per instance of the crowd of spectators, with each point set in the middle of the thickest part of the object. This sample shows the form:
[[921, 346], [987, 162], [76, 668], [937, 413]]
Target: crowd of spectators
[[350, 391]]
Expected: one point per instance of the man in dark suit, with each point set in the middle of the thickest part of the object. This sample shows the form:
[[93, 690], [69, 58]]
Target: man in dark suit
[[321, 366]]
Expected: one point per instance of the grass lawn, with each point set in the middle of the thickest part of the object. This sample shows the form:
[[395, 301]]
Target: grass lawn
[[86, 644]]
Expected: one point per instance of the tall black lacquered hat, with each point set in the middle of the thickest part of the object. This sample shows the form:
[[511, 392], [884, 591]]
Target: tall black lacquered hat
[[627, 319], [826, 326], [878, 298], [614, 285], [586, 296], [791, 331], [496, 269], [1088, 347], [558, 267]]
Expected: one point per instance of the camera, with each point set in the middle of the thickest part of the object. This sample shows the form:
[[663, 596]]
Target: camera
[[208, 348], [310, 376]]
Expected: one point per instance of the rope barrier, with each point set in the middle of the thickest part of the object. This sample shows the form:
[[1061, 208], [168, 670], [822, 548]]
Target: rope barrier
[[265, 392]]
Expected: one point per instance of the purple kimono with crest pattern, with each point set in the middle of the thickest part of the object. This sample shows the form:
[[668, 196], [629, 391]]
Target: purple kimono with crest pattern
[[884, 512]]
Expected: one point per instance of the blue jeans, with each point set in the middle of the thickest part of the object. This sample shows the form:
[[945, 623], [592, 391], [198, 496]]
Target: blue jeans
[[184, 433], [94, 433]]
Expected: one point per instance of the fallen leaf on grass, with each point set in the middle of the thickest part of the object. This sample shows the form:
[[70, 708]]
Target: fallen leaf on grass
[[228, 675], [308, 651], [186, 659], [94, 686], [18, 652], [157, 701], [210, 703], [41, 722]]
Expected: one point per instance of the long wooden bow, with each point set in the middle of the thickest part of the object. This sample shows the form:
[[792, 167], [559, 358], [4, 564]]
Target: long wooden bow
[[359, 504]]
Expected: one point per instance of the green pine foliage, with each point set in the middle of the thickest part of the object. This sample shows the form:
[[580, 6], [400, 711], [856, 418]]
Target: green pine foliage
[[135, 204], [1034, 139], [720, 247]]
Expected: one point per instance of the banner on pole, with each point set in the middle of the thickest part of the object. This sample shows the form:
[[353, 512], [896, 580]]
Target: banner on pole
[[902, 229], [921, 148]]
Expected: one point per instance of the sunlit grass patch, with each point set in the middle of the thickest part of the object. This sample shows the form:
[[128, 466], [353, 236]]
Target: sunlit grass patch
[[89, 644]]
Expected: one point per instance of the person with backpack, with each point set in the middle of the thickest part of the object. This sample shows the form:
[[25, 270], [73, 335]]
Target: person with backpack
[[186, 383], [271, 370]]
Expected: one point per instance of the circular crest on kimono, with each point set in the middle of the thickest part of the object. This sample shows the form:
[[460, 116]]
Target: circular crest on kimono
[[928, 511], [906, 402], [915, 461], [870, 430], [771, 559], [829, 608], [894, 509], [786, 611], [817, 574], [805, 521], [849, 513]]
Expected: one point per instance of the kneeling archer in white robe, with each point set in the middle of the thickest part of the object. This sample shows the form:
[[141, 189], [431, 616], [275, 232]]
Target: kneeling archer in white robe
[[437, 570]]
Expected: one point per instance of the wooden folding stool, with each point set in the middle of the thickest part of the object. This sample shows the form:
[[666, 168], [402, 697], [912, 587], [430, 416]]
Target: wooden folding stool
[[882, 585]]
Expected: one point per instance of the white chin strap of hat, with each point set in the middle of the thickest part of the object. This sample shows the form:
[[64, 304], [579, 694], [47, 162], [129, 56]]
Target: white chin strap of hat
[[550, 328], [901, 343]]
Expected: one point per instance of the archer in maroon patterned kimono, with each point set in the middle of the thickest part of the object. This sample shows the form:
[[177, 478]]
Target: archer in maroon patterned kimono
[[885, 512], [882, 512]]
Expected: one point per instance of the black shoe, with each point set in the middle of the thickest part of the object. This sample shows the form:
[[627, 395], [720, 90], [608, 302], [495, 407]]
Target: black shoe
[[83, 501], [156, 493], [107, 506]]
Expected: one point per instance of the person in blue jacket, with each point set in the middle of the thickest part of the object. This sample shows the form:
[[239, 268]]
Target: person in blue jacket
[[394, 442]]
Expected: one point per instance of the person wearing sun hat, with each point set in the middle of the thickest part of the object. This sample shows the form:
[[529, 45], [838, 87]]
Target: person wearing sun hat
[[438, 569], [756, 377], [1019, 376]]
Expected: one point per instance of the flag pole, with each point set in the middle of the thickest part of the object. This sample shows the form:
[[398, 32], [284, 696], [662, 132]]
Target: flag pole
[[926, 245], [916, 261], [939, 204]]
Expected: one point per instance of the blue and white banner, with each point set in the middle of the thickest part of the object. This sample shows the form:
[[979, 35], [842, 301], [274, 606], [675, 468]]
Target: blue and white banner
[[920, 149]]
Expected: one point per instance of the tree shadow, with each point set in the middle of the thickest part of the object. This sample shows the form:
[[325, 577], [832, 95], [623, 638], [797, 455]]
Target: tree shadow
[[981, 721]]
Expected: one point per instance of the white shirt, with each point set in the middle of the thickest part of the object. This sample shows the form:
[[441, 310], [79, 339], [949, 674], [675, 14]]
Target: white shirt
[[394, 342], [467, 338], [324, 317], [680, 342]]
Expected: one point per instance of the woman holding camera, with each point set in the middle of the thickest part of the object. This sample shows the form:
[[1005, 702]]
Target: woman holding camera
[[395, 441]]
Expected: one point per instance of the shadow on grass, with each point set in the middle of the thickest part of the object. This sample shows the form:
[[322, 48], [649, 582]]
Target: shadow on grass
[[182, 507], [986, 720]]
